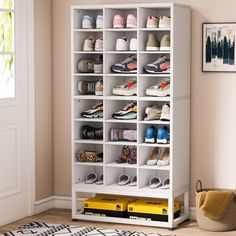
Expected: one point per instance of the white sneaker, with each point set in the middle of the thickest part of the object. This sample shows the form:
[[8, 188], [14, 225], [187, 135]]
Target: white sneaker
[[122, 44], [99, 22], [88, 22], [89, 44], [160, 90], [133, 44], [129, 88], [99, 45], [164, 22], [165, 112]]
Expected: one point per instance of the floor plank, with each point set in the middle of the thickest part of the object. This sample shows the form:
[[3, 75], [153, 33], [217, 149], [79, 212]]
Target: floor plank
[[58, 216]]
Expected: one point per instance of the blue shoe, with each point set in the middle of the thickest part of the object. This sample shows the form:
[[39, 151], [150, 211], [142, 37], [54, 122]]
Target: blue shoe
[[88, 22], [163, 135], [151, 134]]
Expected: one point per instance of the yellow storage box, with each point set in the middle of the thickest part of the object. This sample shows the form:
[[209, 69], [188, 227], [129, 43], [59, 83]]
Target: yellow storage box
[[152, 209], [106, 205]]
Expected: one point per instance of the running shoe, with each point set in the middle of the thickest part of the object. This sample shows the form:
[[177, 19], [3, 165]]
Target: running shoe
[[151, 134], [165, 112], [152, 44], [161, 89], [99, 22], [152, 22], [122, 44], [165, 43], [153, 113], [118, 22], [99, 88], [89, 44], [163, 135], [85, 87], [128, 88], [88, 22], [161, 65], [98, 64], [95, 112], [85, 66], [164, 22], [99, 45], [129, 65], [129, 112], [131, 21]]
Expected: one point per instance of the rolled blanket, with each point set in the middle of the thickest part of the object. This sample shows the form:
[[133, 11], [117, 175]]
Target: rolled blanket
[[213, 204]]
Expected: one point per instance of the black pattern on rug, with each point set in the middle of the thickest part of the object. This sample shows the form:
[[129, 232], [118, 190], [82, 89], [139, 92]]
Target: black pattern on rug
[[44, 229]]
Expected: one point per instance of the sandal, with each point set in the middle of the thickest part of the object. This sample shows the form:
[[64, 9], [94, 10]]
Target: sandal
[[123, 179], [124, 155], [132, 159]]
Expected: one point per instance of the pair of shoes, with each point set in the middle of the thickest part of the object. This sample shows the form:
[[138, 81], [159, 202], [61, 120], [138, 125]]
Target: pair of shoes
[[129, 65], [159, 157], [156, 112], [161, 89], [89, 132], [92, 44], [86, 87], [155, 22], [125, 179], [92, 178], [161, 65], [161, 135], [89, 156], [129, 112], [123, 44], [123, 135], [127, 155], [156, 182], [95, 112], [128, 88], [154, 45], [119, 21], [89, 22], [91, 66]]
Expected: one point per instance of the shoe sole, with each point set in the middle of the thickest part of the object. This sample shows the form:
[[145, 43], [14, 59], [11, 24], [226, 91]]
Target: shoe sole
[[152, 48], [164, 48], [163, 141], [93, 116], [159, 72], [149, 140], [152, 26], [131, 117], [99, 93], [164, 26], [125, 72], [125, 93], [131, 26], [158, 94]]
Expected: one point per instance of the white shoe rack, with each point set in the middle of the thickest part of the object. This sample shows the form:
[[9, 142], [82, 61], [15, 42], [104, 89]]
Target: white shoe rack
[[179, 99]]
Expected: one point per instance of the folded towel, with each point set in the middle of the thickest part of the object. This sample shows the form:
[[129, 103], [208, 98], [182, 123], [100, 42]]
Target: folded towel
[[213, 204]]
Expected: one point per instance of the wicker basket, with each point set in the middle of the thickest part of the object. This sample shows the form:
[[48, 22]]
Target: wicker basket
[[226, 223]]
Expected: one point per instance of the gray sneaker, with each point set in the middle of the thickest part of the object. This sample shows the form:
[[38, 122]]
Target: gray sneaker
[[98, 65], [85, 66]]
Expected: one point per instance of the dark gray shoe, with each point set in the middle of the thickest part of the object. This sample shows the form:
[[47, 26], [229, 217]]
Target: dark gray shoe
[[85, 66]]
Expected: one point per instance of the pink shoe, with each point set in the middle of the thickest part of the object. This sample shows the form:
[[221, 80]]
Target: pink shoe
[[118, 22], [131, 21]]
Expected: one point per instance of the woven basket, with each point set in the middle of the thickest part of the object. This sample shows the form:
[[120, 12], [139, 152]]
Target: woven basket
[[226, 223]]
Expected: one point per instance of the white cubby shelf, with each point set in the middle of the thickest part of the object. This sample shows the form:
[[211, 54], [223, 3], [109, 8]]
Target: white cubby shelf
[[179, 125]]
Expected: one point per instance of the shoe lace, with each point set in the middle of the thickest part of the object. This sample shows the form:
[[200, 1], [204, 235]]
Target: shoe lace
[[127, 60], [90, 65], [91, 87], [159, 60]]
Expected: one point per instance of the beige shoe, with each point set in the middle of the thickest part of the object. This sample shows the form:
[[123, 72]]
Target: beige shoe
[[152, 44], [165, 43], [154, 156], [99, 45], [152, 22], [99, 88], [164, 22], [164, 160], [89, 44]]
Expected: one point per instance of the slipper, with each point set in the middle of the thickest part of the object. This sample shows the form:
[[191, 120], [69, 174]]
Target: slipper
[[133, 181], [100, 180], [91, 178], [154, 182], [123, 179], [165, 183]]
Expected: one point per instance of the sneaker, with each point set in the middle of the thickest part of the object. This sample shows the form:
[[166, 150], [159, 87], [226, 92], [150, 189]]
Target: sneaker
[[129, 65], [85, 66], [86, 87], [122, 44], [160, 90], [152, 44], [99, 45], [99, 88], [131, 21], [95, 112], [128, 88], [165, 112], [155, 154], [153, 113], [89, 44], [133, 44], [118, 22], [164, 22], [129, 112], [163, 135], [152, 22], [88, 22], [151, 134], [165, 43], [164, 159], [99, 22], [161, 65], [98, 65]]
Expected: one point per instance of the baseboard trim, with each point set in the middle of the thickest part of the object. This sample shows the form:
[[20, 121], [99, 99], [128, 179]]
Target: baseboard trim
[[65, 203]]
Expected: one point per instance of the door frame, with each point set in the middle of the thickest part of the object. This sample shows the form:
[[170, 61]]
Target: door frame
[[31, 107]]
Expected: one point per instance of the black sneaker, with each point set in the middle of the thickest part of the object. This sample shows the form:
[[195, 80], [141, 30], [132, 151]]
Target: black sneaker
[[161, 65], [129, 65], [98, 64]]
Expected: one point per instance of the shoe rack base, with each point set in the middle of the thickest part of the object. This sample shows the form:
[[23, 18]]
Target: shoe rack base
[[179, 99]]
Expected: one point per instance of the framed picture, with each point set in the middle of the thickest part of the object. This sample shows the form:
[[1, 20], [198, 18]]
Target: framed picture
[[218, 45]]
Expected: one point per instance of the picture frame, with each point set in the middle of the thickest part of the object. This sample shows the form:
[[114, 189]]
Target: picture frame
[[218, 47]]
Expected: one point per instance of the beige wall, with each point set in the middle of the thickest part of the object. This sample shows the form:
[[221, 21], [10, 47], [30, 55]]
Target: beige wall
[[213, 112], [43, 99]]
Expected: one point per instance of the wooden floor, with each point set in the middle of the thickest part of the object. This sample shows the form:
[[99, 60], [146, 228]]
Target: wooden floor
[[58, 216]]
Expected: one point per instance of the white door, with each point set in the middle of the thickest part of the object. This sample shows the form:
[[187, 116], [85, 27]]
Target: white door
[[14, 111]]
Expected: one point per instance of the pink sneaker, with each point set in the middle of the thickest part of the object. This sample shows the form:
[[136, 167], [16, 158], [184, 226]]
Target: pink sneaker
[[118, 22], [131, 21]]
